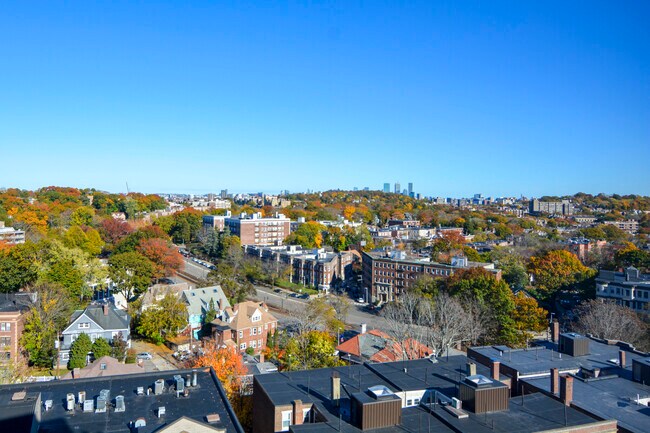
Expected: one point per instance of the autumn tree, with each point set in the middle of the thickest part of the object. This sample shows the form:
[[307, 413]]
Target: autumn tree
[[313, 349], [165, 258], [114, 230], [82, 216], [528, 317], [443, 248], [227, 364], [555, 270]]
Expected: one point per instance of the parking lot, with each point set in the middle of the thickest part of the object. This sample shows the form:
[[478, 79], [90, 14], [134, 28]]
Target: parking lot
[[161, 356]]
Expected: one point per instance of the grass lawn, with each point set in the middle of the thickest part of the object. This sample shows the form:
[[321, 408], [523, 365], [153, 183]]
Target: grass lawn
[[298, 288]]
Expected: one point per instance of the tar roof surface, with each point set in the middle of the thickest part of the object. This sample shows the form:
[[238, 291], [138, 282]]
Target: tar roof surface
[[609, 398], [536, 360], [538, 412], [206, 398]]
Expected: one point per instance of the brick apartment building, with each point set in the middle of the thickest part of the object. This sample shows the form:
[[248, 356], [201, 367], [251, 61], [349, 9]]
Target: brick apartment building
[[317, 268], [629, 288], [244, 326], [564, 207], [387, 274], [629, 226], [12, 309], [255, 230], [214, 222]]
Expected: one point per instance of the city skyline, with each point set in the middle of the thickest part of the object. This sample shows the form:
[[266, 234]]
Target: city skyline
[[508, 98]]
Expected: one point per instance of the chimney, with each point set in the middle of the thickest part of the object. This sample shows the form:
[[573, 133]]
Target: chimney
[[261, 357], [566, 389], [494, 369], [471, 369], [298, 417], [621, 358], [363, 328], [555, 331], [555, 380], [105, 309], [335, 388]]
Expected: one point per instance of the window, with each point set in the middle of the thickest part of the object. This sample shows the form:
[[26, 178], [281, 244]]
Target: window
[[84, 325], [286, 420], [65, 356], [254, 331], [102, 366], [409, 402], [241, 334], [242, 346], [416, 401], [5, 326], [259, 343], [5, 341], [253, 344]]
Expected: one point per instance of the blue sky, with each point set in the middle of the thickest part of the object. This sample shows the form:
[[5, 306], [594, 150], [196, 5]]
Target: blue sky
[[503, 98]]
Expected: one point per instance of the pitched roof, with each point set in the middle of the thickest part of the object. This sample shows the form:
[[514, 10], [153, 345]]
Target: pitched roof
[[113, 319], [240, 316], [198, 300], [159, 291], [377, 346], [104, 366]]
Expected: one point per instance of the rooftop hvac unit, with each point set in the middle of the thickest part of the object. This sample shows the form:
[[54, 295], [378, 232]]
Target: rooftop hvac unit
[[69, 402], [180, 383], [158, 386], [161, 411], [48, 405], [101, 404], [89, 405], [140, 390], [119, 404], [106, 393], [81, 397], [140, 422]]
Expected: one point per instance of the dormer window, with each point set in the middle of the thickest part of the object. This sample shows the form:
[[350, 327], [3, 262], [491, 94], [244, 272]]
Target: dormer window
[[256, 317], [84, 325]]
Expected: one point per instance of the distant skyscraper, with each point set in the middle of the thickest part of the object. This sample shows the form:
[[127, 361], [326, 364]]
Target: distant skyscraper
[[410, 189], [387, 187], [366, 188], [355, 189], [224, 193], [397, 187]]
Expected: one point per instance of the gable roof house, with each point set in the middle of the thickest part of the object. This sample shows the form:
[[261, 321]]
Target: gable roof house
[[246, 325], [96, 320], [198, 304], [377, 346], [157, 292]]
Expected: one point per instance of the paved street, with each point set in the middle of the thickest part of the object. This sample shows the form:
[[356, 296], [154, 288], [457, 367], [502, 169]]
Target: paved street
[[284, 301]]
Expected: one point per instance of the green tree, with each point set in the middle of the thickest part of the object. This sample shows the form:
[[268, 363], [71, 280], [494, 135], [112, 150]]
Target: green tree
[[132, 272], [309, 235], [48, 314], [528, 317], [101, 348], [82, 216], [314, 349], [79, 351], [118, 347], [18, 267], [480, 285], [164, 319]]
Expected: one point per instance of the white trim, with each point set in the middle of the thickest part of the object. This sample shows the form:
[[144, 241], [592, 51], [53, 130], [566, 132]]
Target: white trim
[[78, 318]]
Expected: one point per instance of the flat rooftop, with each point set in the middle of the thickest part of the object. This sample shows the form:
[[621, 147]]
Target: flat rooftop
[[610, 397], [206, 398], [540, 359]]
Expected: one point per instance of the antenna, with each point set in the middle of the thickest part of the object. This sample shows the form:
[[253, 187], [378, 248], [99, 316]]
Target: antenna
[[127, 187]]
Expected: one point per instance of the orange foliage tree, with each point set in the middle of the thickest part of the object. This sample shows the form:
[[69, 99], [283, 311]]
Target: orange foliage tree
[[227, 364], [166, 259]]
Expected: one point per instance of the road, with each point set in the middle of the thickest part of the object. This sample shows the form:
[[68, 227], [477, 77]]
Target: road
[[282, 300]]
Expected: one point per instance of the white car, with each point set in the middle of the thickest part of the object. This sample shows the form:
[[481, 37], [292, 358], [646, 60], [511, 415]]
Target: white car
[[144, 355], [361, 300]]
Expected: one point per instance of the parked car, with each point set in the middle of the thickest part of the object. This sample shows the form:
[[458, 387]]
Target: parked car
[[144, 355], [361, 300]]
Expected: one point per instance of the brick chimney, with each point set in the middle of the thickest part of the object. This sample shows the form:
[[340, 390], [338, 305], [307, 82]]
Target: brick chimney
[[298, 417], [555, 380], [494, 369], [566, 389], [105, 309], [555, 331], [621, 358], [471, 369], [261, 357]]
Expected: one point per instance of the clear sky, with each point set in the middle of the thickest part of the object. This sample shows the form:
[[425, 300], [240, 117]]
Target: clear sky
[[459, 97]]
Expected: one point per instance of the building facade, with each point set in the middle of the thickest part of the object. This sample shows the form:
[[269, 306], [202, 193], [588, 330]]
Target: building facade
[[317, 268], [387, 274], [629, 226], [12, 309], [255, 230], [629, 288], [97, 321], [10, 235], [245, 326], [564, 207]]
